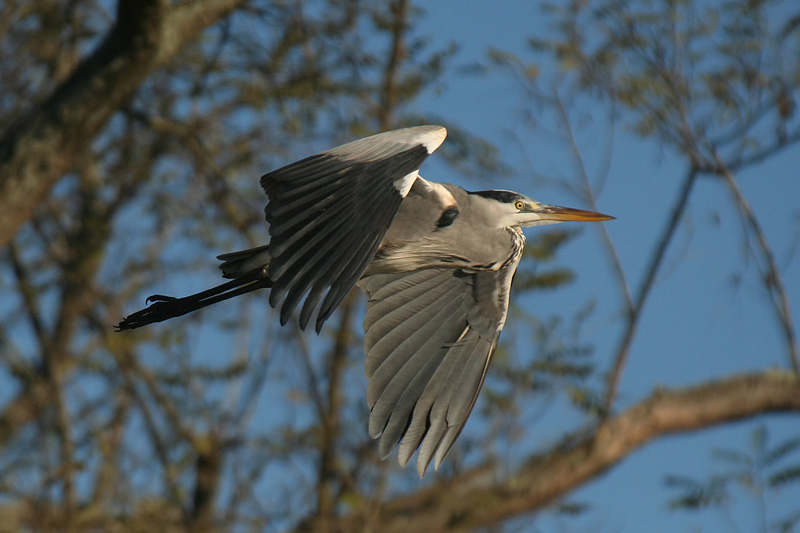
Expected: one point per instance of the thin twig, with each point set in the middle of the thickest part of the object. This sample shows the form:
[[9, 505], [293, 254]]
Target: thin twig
[[773, 281], [312, 383], [656, 259], [608, 244], [28, 296], [331, 418], [399, 11], [126, 361]]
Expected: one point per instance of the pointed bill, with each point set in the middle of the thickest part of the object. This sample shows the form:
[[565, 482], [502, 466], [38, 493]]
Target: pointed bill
[[555, 212]]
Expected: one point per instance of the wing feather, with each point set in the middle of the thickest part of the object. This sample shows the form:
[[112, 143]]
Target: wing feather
[[426, 361], [405, 364], [349, 196], [438, 411], [396, 311]]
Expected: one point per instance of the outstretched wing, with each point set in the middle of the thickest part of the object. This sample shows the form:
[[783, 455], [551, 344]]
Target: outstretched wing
[[430, 335], [328, 214]]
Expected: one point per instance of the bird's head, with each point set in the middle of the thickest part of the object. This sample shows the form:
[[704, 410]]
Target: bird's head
[[509, 208]]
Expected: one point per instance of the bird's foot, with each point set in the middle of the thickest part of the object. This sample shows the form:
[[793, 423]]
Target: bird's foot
[[160, 298], [159, 308]]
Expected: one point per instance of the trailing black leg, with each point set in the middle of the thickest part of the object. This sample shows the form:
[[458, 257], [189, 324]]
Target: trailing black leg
[[166, 307]]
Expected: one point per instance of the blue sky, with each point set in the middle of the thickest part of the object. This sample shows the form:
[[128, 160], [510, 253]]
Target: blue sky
[[699, 325]]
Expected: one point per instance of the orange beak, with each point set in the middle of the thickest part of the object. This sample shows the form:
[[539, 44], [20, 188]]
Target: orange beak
[[554, 212]]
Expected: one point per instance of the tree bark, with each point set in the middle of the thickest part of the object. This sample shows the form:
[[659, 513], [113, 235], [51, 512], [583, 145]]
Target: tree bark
[[50, 140], [477, 498]]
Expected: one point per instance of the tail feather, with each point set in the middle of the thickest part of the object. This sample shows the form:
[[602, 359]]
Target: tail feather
[[236, 264]]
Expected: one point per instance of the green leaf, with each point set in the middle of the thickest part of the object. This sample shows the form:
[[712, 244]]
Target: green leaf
[[784, 477], [782, 450]]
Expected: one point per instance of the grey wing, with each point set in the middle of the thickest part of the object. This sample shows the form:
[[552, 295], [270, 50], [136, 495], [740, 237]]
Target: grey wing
[[430, 336], [328, 214]]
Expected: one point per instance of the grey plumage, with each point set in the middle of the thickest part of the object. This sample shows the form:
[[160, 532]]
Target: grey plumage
[[435, 261]]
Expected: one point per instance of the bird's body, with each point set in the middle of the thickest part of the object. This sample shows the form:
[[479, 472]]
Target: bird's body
[[435, 217], [435, 261]]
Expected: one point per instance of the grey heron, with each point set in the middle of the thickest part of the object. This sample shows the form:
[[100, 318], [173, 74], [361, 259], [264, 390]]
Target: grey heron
[[435, 261]]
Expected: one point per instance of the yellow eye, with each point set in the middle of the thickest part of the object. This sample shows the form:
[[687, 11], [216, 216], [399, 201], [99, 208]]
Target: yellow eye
[[520, 205]]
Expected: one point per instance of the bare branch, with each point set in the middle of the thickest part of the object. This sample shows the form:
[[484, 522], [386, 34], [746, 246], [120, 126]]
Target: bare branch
[[772, 278], [64, 427], [611, 250], [208, 468], [766, 152], [656, 259], [331, 421], [28, 295], [399, 11], [477, 498], [51, 139], [126, 362]]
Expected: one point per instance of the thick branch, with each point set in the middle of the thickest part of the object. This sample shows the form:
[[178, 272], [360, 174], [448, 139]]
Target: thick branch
[[208, 470], [477, 499], [51, 139]]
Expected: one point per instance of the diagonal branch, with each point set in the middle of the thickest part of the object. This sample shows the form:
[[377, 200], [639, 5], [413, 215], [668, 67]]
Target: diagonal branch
[[773, 281], [28, 295], [477, 498], [635, 312], [589, 195], [50, 140]]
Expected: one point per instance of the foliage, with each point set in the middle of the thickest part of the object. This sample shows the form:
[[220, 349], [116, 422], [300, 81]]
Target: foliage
[[171, 181], [762, 473], [223, 420], [700, 77]]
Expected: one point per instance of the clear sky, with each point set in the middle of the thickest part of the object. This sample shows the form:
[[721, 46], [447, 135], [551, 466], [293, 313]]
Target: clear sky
[[699, 325]]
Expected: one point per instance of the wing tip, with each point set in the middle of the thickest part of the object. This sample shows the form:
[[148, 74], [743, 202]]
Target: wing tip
[[432, 137], [423, 462]]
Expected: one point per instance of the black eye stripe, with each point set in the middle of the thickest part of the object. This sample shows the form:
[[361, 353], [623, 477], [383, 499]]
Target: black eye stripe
[[507, 197]]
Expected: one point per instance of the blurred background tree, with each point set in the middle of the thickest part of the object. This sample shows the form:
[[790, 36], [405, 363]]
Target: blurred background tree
[[133, 137]]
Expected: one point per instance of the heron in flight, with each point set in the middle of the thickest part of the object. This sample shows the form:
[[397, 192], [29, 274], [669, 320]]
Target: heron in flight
[[436, 262]]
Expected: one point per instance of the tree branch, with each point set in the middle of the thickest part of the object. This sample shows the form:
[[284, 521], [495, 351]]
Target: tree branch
[[772, 278], [589, 195], [477, 498], [331, 426], [50, 140], [208, 469], [399, 13], [635, 312]]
